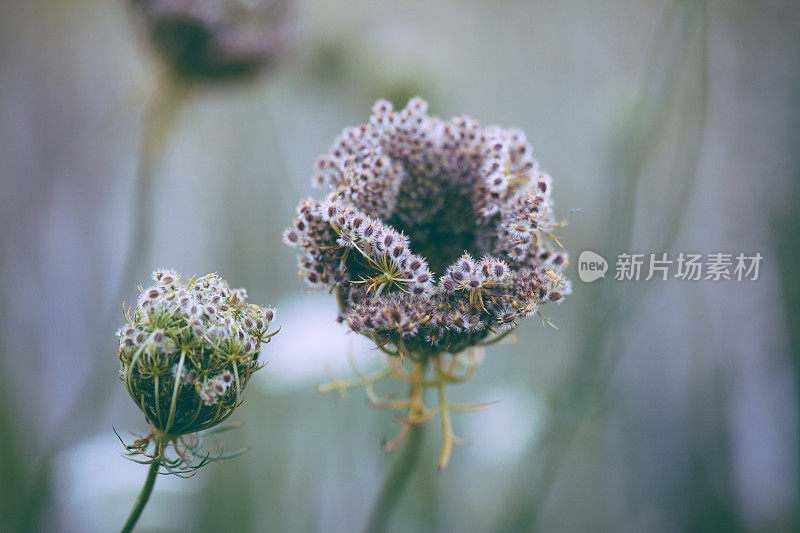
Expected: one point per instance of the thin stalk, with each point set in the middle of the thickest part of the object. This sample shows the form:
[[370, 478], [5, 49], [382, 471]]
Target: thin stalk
[[586, 384], [159, 119], [395, 482], [144, 495], [158, 123]]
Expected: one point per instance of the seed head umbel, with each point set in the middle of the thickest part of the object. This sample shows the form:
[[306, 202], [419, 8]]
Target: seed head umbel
[[437, 238], [436, 234], [216, 40]]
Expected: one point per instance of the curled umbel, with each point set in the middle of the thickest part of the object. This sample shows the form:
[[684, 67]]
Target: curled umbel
[[187, 350], [436, 233]]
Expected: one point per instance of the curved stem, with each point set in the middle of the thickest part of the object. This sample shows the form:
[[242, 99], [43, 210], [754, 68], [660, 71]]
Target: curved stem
[[444, 414], [128, 371], [158, 122], [238, 385], [159, 119], [144, 495], [173, 402], [156, 388], [395, 482]]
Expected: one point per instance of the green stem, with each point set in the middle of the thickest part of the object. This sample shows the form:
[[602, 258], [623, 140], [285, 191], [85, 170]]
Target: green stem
[[143, 497], [395, 482]]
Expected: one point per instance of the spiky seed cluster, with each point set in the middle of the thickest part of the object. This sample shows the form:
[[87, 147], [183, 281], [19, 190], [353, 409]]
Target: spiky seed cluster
[[188, 349], [436, 233], [212, 40]]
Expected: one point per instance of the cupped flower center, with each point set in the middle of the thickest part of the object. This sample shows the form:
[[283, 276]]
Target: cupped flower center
[[436, 213]]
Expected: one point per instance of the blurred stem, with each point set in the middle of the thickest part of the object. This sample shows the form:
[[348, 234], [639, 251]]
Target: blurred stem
[[584, 386], [144, 496], [158, 122], [159, 119], [395, 482], [19, 512]]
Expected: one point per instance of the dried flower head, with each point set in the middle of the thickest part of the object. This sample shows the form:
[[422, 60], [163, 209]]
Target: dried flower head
[[213, 40], [187, 350], [436, 235]]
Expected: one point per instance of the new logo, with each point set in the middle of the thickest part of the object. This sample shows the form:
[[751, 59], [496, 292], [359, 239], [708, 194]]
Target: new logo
[[591, 266]]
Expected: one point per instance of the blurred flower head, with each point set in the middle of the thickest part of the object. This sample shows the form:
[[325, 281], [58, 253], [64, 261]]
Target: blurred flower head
[[188, 349], [216, 40], [436, 234]]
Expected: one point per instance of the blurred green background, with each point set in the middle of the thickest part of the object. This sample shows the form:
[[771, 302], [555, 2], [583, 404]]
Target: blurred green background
[[656, 406]]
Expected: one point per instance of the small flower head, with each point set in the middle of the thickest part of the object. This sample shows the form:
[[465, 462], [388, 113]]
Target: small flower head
[[436, 234], [219, 40], [188, 349]]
